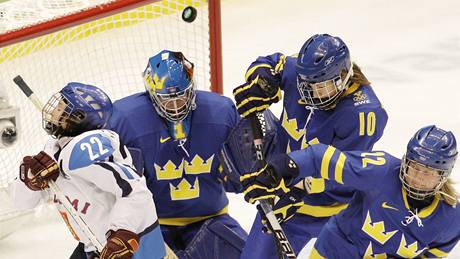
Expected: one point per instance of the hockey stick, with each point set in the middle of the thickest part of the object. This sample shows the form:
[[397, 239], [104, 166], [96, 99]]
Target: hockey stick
[[53, 186], [283, 246]]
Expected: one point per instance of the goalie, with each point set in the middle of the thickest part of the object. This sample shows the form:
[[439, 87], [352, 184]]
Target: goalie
[[179, 130], [96, 173]]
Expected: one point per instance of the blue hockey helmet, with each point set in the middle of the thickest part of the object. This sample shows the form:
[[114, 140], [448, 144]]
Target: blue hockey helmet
[[75, 109], [431, 148], [323, 70], [168, 79]]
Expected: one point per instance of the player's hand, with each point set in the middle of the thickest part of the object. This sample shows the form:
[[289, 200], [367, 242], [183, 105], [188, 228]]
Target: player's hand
[[288, 204], [265, 183], [121, 244], [259, 92], [262, 184], [36, 171]]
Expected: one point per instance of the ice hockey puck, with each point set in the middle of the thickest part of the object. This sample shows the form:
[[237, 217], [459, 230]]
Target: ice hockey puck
[[189, 14]]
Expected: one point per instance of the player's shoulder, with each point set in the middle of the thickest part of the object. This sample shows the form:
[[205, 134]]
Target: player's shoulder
[[136, 113], [212, 104], [360, 98], [214, 109], [133, 102], [88, 148]]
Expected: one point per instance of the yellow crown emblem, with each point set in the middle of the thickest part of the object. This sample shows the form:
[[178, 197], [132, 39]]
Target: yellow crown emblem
[[154, 83], [290, 125], [198, 165], [184, 190], [170, 171]]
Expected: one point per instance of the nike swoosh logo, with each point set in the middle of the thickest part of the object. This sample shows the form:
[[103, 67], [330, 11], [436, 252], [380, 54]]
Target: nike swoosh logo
[[163, 140], [386, 206]]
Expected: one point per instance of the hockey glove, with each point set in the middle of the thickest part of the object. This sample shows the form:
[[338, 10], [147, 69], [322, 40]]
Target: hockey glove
[[259, 92], [288, 204], [265, 183], [36, 171], [121, 244], [261, 185]]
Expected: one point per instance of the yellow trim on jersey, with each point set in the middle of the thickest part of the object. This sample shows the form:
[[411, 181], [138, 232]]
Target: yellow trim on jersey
[[326, 161], [250, 99], [317, 185], [280, 65], [437, 252], [189, 220], [338, 172], [314, 254], [322, 211], [252, 69], [351, 89], [425, 212]]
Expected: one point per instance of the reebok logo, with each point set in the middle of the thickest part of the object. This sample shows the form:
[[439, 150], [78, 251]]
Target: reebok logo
[[386, 206], [163, 140]]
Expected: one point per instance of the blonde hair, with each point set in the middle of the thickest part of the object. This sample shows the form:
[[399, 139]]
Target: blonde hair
[[358, 76], [448, 193]]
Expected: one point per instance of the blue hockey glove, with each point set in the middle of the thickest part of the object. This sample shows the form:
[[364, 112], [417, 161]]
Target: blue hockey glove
[[259, 92], [265, 183], [288, 204]]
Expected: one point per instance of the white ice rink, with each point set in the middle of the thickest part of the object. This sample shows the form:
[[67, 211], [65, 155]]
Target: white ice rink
[[409, 50]]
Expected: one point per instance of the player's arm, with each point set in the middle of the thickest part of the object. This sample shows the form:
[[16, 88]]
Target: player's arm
[[133, 211], [309, 168], [262, 85], [359, 129], [361, 170]]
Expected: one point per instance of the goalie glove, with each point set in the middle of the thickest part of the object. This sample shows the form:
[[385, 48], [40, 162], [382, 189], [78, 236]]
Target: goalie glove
[[121, 244], [36, 171], [259, 92]]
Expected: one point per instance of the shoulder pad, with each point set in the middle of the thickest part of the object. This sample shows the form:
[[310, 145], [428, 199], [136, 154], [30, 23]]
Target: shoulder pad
[[91, 147]]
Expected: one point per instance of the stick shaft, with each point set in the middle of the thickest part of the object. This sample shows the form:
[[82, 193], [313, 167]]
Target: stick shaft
[[278, 232]]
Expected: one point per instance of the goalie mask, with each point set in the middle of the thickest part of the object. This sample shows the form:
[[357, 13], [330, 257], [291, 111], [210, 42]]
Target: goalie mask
[[428, 162], [323, 69], [75, 109], [168, 79]]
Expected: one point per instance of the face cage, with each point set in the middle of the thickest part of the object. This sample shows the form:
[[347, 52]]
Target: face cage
[[413, 192], [169, 105], [308, 90], [57, 117]]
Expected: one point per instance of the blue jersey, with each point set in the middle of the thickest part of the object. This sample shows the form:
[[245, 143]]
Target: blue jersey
[[356, 123], [183, 178], [378, 222]]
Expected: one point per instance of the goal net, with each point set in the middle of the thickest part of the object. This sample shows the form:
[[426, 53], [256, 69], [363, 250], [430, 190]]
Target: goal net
[[100, 42]]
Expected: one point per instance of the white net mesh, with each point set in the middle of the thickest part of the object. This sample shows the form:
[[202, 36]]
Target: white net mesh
[[110, 53]]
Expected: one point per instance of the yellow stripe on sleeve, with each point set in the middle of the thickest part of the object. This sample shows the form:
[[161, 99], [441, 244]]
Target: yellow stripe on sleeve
[[326, 161], [438, 252], [339, 168]]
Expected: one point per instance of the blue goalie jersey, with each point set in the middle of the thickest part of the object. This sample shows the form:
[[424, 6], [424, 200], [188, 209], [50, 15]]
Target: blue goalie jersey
[[378, 222], [183, 177]]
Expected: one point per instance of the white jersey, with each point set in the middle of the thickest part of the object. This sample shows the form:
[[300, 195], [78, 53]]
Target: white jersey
[[98, 178]]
